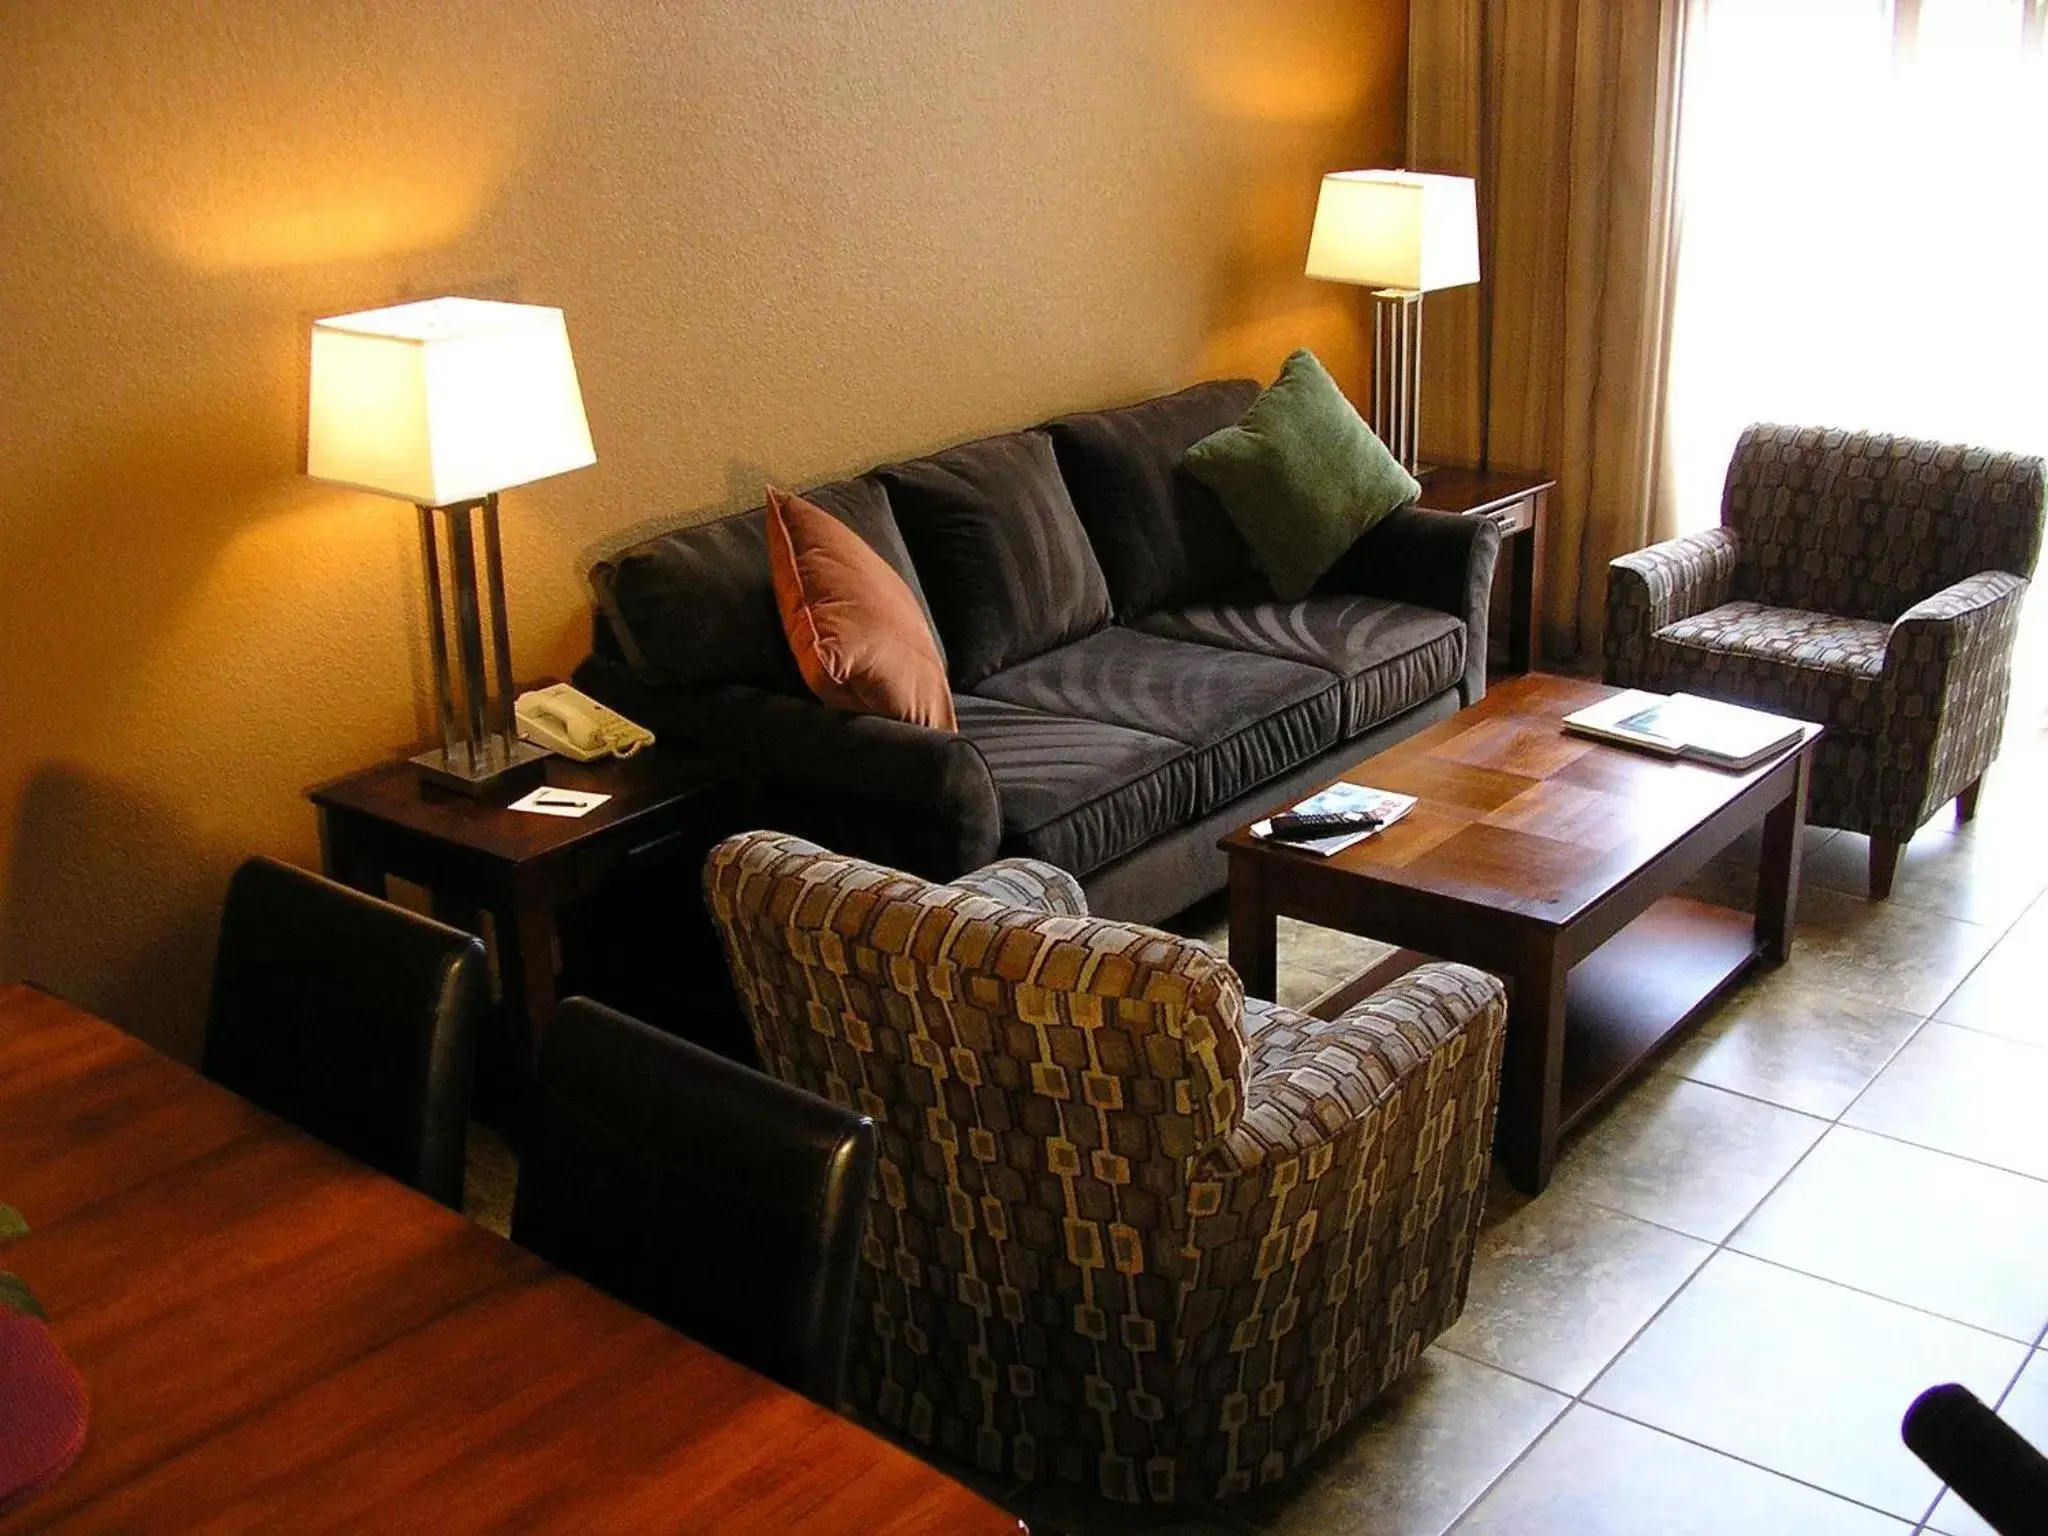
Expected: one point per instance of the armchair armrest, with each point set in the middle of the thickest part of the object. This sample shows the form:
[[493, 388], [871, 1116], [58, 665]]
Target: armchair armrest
[[1343, 1072], [1331, 1230], [1028, 883], [1435, 560], [1947, 678], [1660, 585]]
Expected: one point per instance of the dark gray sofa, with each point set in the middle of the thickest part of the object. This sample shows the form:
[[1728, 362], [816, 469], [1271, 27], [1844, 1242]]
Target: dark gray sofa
[[1127, 688]]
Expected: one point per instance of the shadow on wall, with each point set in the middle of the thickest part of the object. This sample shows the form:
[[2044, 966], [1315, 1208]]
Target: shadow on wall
[[115, 905]]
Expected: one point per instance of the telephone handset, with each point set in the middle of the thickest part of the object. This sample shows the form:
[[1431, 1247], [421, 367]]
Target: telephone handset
[[576, 725]]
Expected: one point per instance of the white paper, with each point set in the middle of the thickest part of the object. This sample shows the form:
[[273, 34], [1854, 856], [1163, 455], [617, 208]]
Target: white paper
[[549, 801]]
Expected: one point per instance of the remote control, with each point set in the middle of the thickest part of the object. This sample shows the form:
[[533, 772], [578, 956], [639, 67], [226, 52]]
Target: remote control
[[1294, 827]]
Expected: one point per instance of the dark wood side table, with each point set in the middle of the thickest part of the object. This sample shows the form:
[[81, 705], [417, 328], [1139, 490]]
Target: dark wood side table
[[1517, 503], [669, 804]]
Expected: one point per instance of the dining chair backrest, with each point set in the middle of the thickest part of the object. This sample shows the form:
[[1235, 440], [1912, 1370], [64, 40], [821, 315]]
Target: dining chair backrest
[[723, 1202], [352, 1018]]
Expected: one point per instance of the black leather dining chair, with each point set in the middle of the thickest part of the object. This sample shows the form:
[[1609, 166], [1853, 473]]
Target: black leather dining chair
[[723, 1202], [352, 1018]]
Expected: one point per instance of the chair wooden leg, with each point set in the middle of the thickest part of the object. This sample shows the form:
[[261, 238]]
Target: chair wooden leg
[[1884, 863], [1966, 802]]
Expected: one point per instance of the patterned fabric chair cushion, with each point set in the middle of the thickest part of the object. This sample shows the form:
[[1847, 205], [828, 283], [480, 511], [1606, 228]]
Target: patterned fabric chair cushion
[[1812, 666], [1107, 1246]]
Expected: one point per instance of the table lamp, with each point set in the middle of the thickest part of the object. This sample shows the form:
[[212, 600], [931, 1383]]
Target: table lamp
[[447, 402], [1403, 234]]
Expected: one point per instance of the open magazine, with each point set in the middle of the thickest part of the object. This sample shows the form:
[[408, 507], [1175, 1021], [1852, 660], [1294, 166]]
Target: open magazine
[[1383, 805], [1686, 725]]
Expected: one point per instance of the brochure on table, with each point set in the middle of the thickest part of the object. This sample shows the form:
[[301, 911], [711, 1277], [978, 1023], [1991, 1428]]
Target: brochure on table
[[1383, 805]]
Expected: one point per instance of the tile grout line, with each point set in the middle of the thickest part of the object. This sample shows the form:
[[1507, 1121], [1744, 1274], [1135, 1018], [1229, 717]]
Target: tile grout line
[[1718, 1247]]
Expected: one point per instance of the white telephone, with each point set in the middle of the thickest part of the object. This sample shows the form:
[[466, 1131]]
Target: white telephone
[[576, 725]]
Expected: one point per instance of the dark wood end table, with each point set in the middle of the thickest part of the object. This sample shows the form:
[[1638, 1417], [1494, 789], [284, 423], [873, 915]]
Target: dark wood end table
[[1549, 860], [1518, 504], [669, 804]]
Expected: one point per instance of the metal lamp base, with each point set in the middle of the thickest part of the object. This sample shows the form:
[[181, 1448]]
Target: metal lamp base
[[493, 768]]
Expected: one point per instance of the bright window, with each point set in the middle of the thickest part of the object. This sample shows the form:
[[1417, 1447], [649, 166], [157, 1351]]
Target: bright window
[[1864, 237]]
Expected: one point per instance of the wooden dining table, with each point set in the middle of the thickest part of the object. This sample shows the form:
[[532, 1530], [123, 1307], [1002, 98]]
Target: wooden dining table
[[277, 1338]]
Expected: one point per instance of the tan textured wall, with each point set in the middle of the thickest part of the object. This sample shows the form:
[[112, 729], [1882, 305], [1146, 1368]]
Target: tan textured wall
[[792, 239]]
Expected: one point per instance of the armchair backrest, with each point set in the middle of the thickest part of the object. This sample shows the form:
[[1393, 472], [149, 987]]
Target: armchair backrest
[[1042, 1085], [1864, 525]]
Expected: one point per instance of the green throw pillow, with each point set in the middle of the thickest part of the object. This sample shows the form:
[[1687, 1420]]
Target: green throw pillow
[[1301, 475]]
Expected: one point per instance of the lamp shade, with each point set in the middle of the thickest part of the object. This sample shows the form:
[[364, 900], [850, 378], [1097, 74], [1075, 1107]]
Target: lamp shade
[[444, 400], [1396, 229]]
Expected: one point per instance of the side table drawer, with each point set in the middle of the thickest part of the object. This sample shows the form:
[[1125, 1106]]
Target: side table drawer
[[1513, 517]]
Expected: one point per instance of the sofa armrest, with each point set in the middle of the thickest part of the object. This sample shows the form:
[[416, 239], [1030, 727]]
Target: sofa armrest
[[1947, 679], [1661, 585], [881, 789], [905, 795], [1028, 883], [1437, 560]]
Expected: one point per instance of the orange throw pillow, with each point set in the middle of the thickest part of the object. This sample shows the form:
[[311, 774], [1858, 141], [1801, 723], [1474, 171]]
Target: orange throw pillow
[[859, 636]]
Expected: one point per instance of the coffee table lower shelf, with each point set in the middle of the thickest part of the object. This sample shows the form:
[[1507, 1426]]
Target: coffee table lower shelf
[[1642, 986]]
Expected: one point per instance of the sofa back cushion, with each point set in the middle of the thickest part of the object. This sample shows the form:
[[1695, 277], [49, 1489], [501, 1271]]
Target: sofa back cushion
[[1864, 525], [1161, 535], [695, 606], [1004, 559]]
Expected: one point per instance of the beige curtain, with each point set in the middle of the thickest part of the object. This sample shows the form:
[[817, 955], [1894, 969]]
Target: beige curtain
[[1567, 113]]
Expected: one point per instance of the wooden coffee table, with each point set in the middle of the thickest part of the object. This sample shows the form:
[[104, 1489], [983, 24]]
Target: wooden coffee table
[[1548, 860]]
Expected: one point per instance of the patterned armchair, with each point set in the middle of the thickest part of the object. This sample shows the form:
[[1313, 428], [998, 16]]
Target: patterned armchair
[[1130, 1231], [1871, 584]]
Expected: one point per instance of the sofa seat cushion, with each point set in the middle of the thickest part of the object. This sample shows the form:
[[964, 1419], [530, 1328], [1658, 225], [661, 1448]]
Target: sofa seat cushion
[[1077, 793], [1812, 666], [1161, 535], [1249, 718], [1003, 556], [1391, 656]]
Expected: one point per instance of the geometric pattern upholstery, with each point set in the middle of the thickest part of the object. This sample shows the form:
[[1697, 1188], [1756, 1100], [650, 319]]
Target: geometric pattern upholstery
[[1813, 666], [1869, 583], [1112, 1243]]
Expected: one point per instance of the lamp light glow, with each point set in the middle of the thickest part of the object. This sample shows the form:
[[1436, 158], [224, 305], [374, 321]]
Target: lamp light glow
[[1396, 229], [447, 402], [444, 400], [1401, 234]]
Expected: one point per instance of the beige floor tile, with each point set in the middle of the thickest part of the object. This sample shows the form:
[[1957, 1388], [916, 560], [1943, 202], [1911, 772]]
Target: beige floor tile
[[1885, 951], [1913, 1226], [1418, 1457], [1800, 1376], [1684, 1155], [2026, 1409], [1792, 1043], [1560, 1286], [1958, 1090], [1981, 880], [1593, 1474], [2007, 994]]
